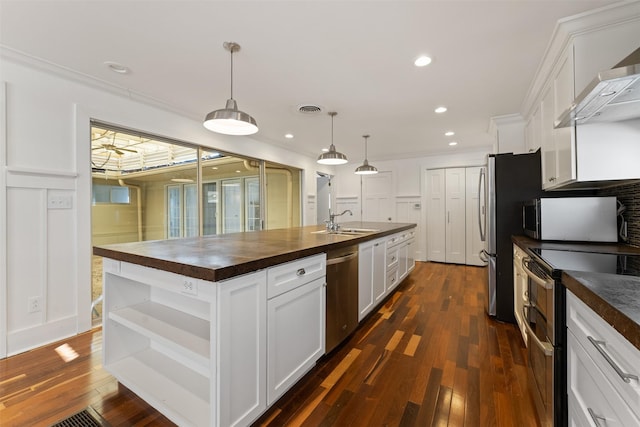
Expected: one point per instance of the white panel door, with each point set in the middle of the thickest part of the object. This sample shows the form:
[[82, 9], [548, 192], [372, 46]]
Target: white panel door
[[473, 242], [455, 225], [377, 197], [436, 215]]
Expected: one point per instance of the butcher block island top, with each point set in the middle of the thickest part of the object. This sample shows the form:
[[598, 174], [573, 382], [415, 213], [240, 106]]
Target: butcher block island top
[[224, 256]]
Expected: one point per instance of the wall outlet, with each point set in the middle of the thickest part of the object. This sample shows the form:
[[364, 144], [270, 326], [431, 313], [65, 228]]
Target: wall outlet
[[35, 304], [59, 201]]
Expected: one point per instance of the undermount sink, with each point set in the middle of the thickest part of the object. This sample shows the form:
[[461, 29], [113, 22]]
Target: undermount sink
[[347, 231]]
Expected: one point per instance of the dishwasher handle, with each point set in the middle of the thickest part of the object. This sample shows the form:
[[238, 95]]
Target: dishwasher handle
[[341, 259]]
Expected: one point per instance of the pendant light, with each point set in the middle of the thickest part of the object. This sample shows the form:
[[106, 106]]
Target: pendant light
[[230, 120], [332, 157], [366, 168]]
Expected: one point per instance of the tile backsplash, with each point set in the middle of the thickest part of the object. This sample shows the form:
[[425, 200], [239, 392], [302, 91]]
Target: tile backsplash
[[628, 195]]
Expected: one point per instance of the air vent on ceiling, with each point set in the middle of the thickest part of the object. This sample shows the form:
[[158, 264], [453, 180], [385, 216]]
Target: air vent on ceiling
[[309, 109]]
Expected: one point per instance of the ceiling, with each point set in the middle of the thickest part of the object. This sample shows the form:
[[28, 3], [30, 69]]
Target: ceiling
[[353, 57]]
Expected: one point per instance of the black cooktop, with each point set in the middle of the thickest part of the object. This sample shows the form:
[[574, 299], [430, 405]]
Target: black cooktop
[[595, 262]]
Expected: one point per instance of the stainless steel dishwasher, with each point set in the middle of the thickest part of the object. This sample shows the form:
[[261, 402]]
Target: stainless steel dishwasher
[[342, 295]]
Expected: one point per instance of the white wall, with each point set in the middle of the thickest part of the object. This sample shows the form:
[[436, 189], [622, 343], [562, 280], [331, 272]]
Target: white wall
[[408, 189], [45, 153]]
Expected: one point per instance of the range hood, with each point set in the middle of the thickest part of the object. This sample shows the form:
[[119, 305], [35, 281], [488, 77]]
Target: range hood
[[614, 95]]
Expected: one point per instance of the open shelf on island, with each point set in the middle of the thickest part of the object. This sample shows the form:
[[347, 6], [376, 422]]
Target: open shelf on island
[[187, 335], [182, 393]]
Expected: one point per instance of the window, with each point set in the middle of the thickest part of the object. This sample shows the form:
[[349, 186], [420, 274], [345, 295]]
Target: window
[[110, 194]]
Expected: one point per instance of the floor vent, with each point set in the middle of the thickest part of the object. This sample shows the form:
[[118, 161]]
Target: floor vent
[[86, 418]]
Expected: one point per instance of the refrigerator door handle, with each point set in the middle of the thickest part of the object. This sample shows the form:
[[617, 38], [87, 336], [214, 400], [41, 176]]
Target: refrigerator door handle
[[481, 224], [484, 256]]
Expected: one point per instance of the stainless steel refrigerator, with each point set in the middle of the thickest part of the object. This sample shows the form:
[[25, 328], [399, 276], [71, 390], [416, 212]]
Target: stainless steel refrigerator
[[508, 181]]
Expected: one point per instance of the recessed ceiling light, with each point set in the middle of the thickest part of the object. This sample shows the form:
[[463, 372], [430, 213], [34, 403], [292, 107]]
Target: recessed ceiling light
[[325, 150], [117, 68], [185, 180], [237, 171], [215, 168], [452, 143], [421, 61], [449, 133], [288, 135], [440, 110]]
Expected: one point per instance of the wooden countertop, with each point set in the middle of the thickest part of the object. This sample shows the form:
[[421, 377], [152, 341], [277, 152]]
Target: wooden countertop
[[223, 256], [615, 298]]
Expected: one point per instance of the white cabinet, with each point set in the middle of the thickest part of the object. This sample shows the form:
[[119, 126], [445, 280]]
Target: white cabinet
[[241, 348], [296, 325], [160, 341], [603, 371], [452, 229], [520, 289], [371, 275], [382, 264], [213, 354], [586, 155]]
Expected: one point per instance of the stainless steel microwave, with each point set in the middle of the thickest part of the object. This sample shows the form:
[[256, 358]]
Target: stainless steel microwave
[[589, 219]]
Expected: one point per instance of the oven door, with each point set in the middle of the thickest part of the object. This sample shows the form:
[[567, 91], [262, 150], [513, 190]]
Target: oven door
[[538, 315]]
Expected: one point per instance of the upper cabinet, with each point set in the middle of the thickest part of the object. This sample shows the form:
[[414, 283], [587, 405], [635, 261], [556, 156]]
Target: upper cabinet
[[593, 154]]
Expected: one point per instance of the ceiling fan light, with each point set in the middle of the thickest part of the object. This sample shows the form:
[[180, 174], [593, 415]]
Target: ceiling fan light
[[230, 121]]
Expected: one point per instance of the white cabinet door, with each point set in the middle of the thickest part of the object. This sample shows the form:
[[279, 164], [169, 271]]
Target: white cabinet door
[[549, 165], [377, 197], [455, 225], [242, 344], [365, 279], [378, 271], [473, 242], [436, 215], [296, 337]]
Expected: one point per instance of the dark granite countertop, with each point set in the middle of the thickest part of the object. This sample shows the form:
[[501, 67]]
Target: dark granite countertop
[[223, 256], [615, 298]]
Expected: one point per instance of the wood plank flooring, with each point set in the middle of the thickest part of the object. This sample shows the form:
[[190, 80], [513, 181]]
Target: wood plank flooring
[[428, 356]]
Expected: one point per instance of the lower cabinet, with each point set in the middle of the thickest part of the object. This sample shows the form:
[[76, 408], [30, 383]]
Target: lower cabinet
[[371, 275], [603, 384], [213, 354], [295, 335], [382, 264]]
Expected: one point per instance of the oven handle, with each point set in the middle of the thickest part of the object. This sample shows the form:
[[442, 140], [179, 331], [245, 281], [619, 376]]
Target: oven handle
[[599, 345], [546, 346], [596, 418], [545, 283]]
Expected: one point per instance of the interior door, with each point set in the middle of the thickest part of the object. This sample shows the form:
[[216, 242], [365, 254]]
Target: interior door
[[473, 204], [231, 205], [436, 215], [209, 208], [455, 224]]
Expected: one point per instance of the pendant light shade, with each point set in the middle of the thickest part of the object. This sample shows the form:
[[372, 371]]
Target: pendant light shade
[[332, 157], [366, 168], [230, 120]]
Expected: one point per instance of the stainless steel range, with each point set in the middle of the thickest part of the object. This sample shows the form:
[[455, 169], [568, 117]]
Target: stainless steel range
[[545, 320]]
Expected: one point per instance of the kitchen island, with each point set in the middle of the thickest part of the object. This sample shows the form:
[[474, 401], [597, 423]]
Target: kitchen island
[[211, 331]]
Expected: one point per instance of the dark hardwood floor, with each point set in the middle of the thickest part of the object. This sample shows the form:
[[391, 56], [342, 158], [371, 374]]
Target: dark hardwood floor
[[428, 356]]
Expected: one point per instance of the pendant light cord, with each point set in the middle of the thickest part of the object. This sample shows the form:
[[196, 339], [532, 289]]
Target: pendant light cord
[[231, 50]]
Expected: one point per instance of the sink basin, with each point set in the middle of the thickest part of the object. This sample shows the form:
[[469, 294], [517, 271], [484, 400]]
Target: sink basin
[[347, 231]]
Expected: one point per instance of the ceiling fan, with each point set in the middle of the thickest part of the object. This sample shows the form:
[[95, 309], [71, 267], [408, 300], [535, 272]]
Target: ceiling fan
[[112, 147]]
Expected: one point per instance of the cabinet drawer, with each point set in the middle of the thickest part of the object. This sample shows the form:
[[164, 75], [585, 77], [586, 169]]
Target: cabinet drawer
[[392, 278], [590, 395], [284, 277], [602, 342], [392, 257], [394, 240]]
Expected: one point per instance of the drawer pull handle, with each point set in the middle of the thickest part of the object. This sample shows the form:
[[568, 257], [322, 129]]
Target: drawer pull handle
[[599, 345], [301, 272], [596, 418]]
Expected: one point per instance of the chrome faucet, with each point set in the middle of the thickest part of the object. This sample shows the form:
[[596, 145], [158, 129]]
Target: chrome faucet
[[332, 225]]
